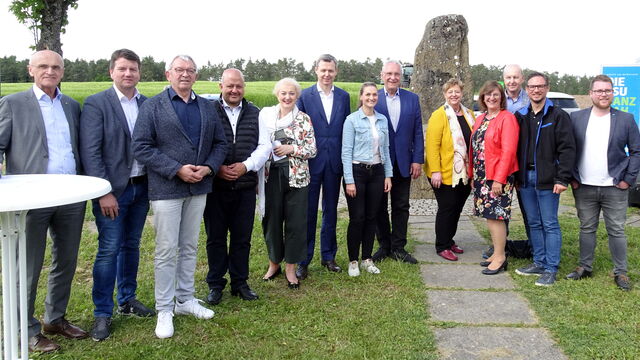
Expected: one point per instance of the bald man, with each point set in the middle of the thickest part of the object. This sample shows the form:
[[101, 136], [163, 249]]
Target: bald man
[[39, 135], [513, 79]]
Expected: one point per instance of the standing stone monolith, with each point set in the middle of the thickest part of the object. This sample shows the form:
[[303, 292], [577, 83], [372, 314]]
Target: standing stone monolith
[[443, 53]]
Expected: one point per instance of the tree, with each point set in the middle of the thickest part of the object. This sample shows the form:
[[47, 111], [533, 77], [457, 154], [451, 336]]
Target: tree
[[46, 19]]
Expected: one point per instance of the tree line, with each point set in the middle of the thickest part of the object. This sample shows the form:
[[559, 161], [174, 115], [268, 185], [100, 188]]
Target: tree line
[[13, 70]]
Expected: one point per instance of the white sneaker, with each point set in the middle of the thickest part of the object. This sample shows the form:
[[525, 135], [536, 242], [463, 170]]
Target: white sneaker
[[193, 307], [353, 269], [369, 267], [164, 327]]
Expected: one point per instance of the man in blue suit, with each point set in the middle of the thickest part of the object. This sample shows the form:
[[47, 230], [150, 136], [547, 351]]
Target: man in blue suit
[[327, 106], [106, 126], [406, 146]]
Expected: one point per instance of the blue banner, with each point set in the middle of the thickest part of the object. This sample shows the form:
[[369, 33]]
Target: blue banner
[[626, 88]]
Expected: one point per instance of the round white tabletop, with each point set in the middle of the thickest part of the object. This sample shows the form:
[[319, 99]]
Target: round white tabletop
[[27, 192]]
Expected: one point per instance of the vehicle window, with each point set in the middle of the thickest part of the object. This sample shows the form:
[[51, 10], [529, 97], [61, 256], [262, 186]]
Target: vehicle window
[[564, 103]]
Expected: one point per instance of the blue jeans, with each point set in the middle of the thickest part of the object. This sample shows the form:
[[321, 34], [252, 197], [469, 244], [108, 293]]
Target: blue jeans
[[541, 207], [119, 249]]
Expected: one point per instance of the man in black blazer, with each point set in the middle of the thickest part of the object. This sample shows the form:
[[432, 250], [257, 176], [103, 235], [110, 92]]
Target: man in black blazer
[[608, 161], [39, 135], [327, 106], [106, 126], [231, 204]]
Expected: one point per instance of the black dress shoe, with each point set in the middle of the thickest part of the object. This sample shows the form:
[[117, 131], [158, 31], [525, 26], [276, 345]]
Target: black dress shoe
[[302, 271], [623, 282], [273, 276], [579, 273], [214, 297], [136, 308], [293, 286], [245, 293], [43, 344], [404, 256], [502, 267], [100, 330], [380, 255], [331, 265]]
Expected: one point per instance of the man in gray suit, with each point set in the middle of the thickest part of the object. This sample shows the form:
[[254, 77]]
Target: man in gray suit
[[180, 140], [39, 135], [603, 174], [106, 125]]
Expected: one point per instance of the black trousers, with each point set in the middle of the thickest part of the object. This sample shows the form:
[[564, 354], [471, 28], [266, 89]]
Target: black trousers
[[363, 209], [232, 212], [450, 203], [393, 236]]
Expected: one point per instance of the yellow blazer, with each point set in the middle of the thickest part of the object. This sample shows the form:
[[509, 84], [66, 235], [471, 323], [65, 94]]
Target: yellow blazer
[[438, 145]]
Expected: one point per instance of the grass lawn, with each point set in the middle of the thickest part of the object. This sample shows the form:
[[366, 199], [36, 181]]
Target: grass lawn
[[331, 316]]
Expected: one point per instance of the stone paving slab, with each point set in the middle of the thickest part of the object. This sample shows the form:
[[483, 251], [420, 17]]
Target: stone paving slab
[[467, 343], [463, 237], [427, 252], [480, 307], [463, 276]]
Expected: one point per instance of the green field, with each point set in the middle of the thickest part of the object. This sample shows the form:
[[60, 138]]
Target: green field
[[258, 92]]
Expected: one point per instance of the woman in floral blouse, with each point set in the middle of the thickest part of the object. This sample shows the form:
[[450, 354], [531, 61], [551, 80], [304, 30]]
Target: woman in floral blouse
[[285, 218]]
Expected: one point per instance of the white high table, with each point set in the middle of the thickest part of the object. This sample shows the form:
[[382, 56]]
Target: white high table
[[19, 194]]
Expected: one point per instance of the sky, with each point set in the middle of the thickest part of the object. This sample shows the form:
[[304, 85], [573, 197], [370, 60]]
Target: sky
[[567, 36]]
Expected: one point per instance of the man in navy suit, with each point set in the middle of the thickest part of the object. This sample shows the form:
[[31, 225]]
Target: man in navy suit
[[327, 106], [406, 146], [106, 126], [608, 161]]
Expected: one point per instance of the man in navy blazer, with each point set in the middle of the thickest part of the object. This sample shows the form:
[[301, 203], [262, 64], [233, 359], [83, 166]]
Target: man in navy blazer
[[39, 135], [180, 140], [327, 106], [406, 146], [106, 125], [603, 174]]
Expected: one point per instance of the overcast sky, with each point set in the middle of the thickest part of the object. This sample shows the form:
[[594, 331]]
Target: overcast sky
[[573, 37]]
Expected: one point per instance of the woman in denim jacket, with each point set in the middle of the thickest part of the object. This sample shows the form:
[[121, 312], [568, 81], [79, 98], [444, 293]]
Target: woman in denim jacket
[[367, 175]]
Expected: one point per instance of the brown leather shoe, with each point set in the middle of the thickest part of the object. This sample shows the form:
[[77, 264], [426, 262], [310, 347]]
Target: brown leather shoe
[[41, 343], [66, 329], [331, 265]]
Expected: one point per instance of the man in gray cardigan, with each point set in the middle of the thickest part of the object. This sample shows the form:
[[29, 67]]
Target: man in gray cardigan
[[178, 137]]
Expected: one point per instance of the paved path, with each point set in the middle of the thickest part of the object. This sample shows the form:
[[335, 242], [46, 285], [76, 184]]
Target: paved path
[[482, 317]]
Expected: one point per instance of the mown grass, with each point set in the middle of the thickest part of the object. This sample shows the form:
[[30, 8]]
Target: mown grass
[[331, 316], [258, 92]]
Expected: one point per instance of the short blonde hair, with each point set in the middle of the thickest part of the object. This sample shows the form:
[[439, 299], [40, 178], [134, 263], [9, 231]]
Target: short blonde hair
[[287, 81], [451, 83]]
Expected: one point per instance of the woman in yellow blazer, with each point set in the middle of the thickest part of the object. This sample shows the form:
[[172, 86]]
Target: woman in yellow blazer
[[446, 160]]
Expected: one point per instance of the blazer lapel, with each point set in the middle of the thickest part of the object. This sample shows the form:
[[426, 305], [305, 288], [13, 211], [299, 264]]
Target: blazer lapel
[[33, 107], [204, 124], [318, 104], [171, 115], [403, 109], [117, 108], [335, 107], [612, 127]]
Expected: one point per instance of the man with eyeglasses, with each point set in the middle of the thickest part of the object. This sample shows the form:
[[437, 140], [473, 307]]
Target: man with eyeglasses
[[179, 138], [608, 160], [513, 79], [406, 147], [546, 157], [39, 135]]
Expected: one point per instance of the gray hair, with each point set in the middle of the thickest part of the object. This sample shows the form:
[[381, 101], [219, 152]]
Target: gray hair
[[287, 81], [169, 64], [512, 66], [327, 58], [391, 62]]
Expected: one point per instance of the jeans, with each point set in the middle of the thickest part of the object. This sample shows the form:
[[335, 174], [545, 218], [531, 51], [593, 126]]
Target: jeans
[[613, 203], [541, 207], [393, 236], [363, 209], [177, 224], [450, 204], [119, 249]]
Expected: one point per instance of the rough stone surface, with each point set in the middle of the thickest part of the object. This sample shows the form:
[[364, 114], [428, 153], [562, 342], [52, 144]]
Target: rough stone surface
[[463, 276], [480, 307], [484, 343], [472, 254]]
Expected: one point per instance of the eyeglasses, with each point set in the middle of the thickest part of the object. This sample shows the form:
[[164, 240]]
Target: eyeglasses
[[189, 71], [536, 87], [601, 92]]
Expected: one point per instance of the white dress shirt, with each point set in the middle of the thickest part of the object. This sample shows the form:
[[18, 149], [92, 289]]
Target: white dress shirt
[[393, 105], [130, 108], [327, 102]]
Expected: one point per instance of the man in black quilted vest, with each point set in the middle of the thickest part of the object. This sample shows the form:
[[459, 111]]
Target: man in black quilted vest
[[231, 204]]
